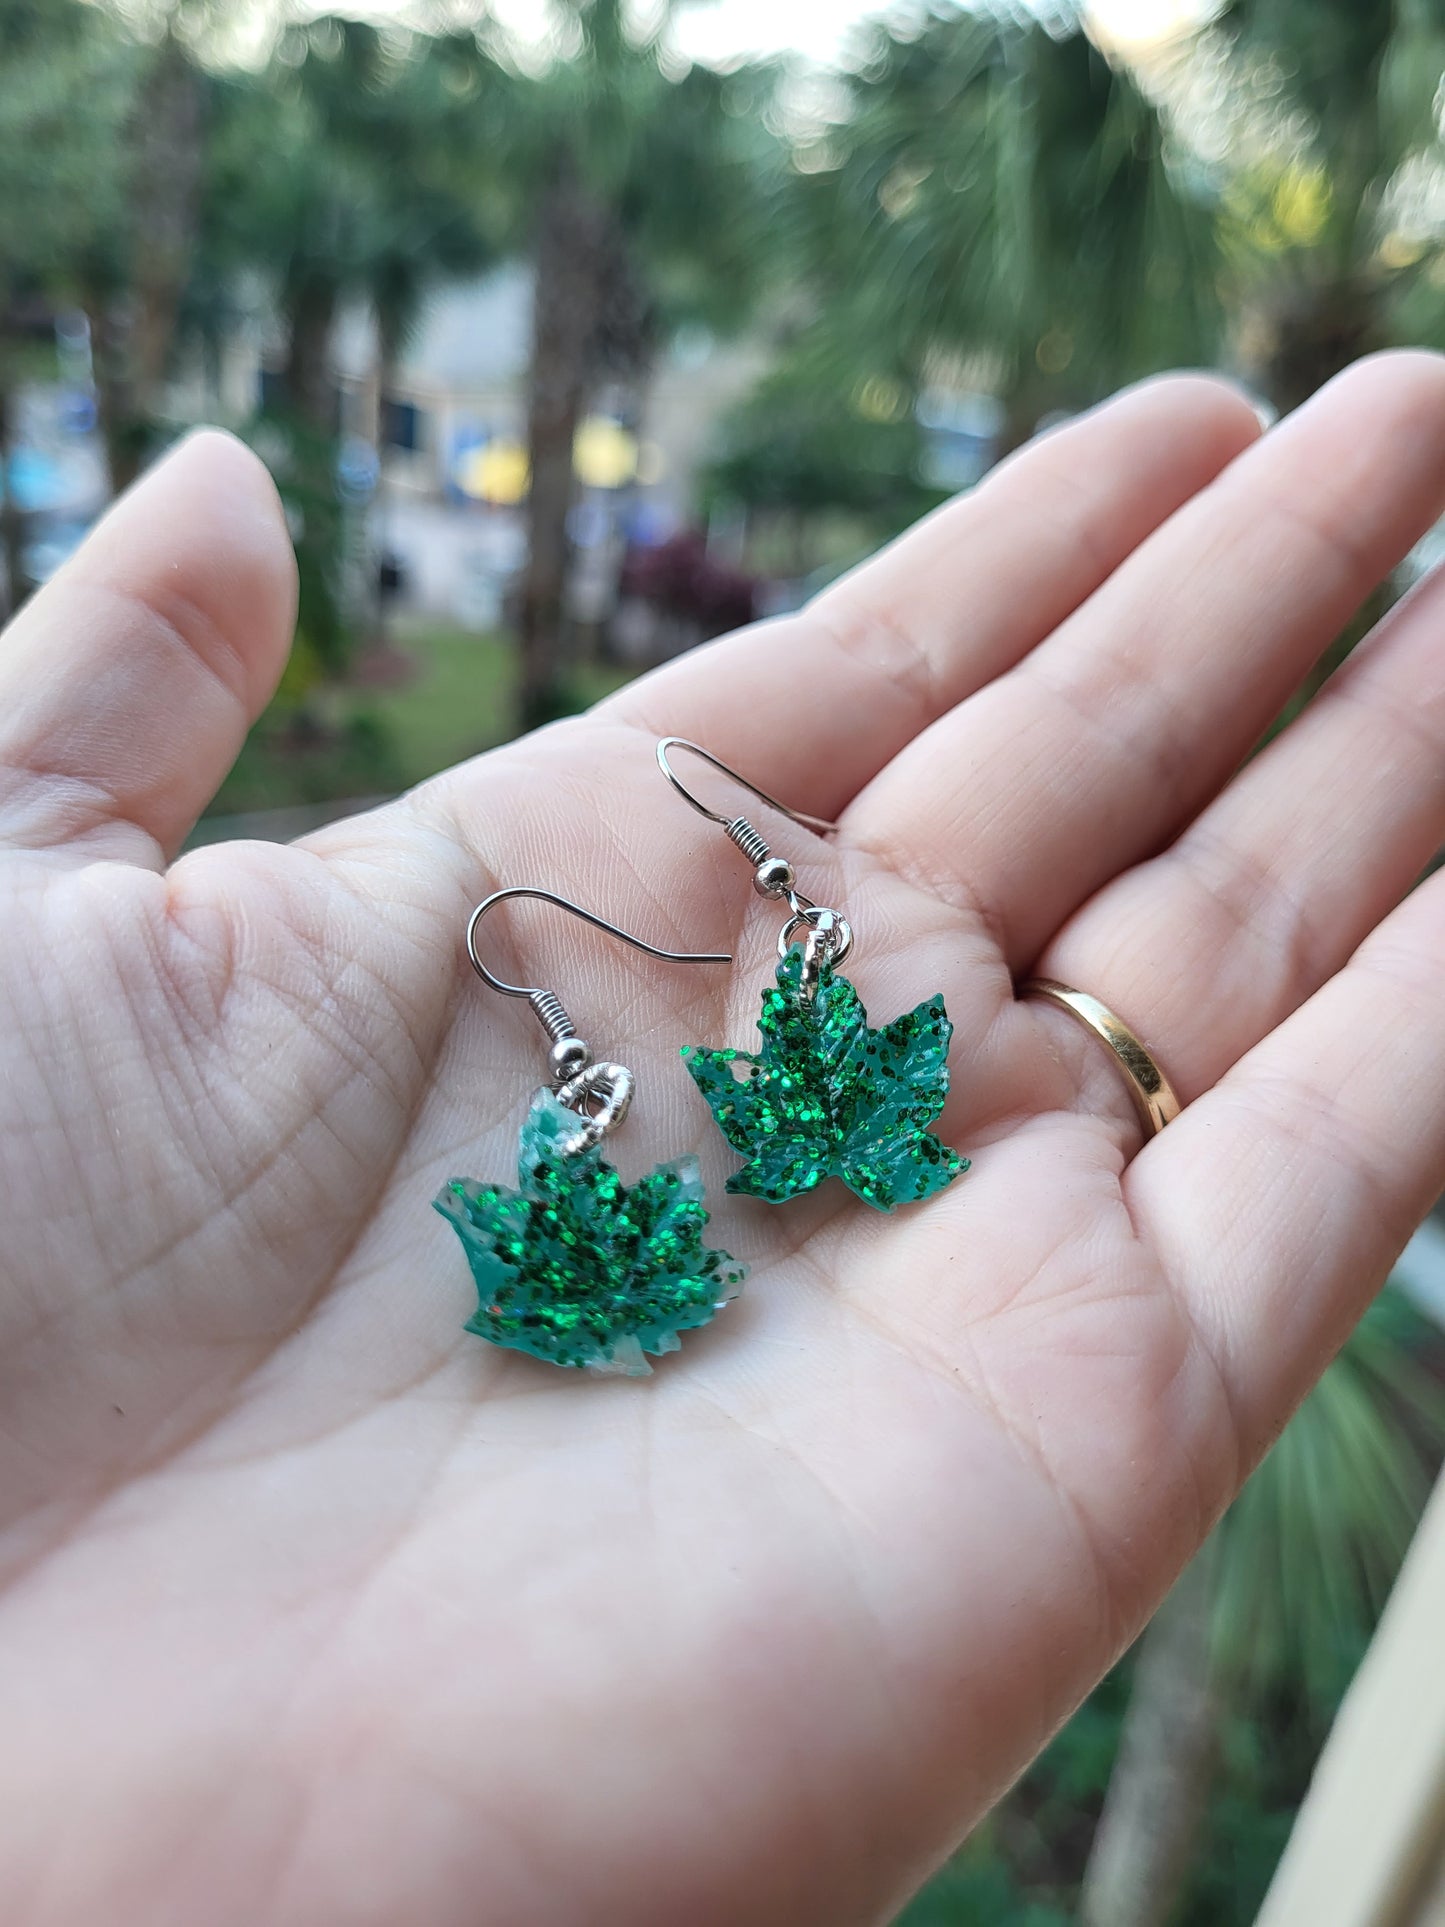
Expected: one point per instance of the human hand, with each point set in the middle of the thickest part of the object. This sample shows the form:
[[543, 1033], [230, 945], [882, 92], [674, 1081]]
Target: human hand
[[315, 1610]]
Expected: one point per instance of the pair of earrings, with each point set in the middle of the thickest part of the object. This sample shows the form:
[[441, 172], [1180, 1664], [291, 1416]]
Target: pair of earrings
[[575, 1267]]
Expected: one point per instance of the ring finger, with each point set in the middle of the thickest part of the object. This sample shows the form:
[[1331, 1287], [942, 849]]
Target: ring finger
[[1112, 734], [1210, 945]]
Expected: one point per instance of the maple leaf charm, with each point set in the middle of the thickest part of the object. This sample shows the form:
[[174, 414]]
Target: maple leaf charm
[[828, 1097], [577, 1268]]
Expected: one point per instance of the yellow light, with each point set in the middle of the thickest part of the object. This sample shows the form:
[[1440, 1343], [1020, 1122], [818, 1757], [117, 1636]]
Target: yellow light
[[1301, 204], [879, 399], [499, 473], [604, 454]]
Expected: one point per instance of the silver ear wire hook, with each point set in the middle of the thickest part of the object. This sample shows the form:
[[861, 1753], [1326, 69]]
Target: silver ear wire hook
[[578, 1079], [715, 816], [828, 934]]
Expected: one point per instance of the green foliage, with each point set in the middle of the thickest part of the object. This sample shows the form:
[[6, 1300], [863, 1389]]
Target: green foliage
[[324, 182], [1328, 199], [298, 756], [327, 178], [69, 80], [302, 461], [676, 159], [828, 1097], [1311, 1546], [998, 190], [445, 696], [1265, 1768], [823, 431], [1360, 77], [979, 1890]]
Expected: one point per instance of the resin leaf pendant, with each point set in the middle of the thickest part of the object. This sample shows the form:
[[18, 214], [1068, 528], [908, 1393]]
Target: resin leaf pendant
[[828, 1097], [575, 1267]]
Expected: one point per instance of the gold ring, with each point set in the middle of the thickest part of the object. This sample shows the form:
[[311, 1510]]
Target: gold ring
[[1153, 1094]]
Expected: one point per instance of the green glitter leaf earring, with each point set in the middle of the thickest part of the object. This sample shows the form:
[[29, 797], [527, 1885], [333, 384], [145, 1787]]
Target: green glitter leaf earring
[[825, 1096], [574, 1266]]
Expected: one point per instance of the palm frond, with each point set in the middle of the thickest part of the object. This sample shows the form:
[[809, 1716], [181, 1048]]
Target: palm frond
[[1310, 1548]]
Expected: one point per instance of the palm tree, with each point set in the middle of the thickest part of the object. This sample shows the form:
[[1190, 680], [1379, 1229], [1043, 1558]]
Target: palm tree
[[995, 191], [639, 198], [324, 182], [315, 186], [139, 267], [372, 107], [288, 210], [1330, 202], [830, 430], [1281, 1600]]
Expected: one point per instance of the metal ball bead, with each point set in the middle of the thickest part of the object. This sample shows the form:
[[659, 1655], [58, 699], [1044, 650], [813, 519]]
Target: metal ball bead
[[568, 1056], [773, 876]]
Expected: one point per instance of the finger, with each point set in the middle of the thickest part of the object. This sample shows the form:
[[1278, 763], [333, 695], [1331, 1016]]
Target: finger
[[819, 702], [128, 683], [1110, 736], [1268, 893], [1279, 1201]]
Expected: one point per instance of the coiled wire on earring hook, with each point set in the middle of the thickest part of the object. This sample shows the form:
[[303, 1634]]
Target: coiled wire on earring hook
[[754, 846], [551, 1016]]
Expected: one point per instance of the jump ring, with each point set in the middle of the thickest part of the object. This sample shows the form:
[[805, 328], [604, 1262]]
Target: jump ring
[[611, 1085], [807, 916]]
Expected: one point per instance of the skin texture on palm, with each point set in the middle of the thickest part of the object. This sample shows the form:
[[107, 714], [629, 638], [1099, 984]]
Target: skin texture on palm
[[315, 1609]]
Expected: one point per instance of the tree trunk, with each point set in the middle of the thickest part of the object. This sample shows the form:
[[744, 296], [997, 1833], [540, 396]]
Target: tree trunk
[[132, 338], [627, 354], [12, 522], [167, 196], [310, 318], [389, 336], [570, 244], [310, 481], [1160, 1783], [1312, 335], [115, 397]]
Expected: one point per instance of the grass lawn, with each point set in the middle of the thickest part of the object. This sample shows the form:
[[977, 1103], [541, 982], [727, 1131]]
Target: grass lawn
[[368, 739]]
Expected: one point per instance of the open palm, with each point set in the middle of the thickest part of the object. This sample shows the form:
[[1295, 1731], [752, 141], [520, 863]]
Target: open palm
[[318, 1611]]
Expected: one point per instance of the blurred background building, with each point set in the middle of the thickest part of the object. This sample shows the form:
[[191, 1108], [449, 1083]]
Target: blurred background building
[[578, 331]]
